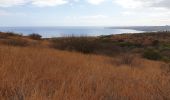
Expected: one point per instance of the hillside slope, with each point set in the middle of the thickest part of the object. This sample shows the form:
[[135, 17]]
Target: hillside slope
[[37, 69], [28, 73]]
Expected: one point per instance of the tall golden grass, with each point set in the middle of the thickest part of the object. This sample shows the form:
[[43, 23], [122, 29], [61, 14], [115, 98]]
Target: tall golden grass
[[28, 73]]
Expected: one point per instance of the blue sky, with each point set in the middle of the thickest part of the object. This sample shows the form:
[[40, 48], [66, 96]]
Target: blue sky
[[84, 12]]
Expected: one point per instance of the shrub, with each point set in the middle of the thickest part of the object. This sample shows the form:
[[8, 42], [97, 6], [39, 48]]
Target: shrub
[[8, 34], [155, 42], [80, 44], [152, 54], [12, 34], [16, 42], [35, 36], [120, 40], [128, 44]]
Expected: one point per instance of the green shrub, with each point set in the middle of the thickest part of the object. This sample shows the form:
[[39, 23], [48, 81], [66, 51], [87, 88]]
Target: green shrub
[[35, 36], [80, 44], [152, 54]]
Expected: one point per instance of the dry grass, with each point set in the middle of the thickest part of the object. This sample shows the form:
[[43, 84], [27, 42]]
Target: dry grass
[[144, 39], [28, 73]]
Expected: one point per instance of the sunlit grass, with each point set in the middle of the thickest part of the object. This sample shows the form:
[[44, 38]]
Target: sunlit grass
[[29, 73]]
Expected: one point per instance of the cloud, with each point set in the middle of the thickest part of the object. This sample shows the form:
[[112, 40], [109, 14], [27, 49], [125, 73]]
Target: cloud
[[149, 8], [163, 3], [39, 3], [143, 3], [42, 3], [95, 2], [145, 12], [123, 3], [135, 3], [129, 3], [9, 3]]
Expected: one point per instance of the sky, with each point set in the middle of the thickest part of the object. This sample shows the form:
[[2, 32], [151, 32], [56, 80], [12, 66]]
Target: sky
[[84, 12]]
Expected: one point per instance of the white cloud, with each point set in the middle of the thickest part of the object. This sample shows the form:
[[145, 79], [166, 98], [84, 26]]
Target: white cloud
[[129, 3], [135, 3], [42, 3], [8, 3], [143, 3], [95, 2], [149, 8], [163, 3], [123, 3]]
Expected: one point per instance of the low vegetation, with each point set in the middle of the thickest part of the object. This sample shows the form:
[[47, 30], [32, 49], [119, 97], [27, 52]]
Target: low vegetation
[[80, 44], [152, 54], [48, 74], [16, 42], [35, 36], [97, 68], [153, 46], [9, 34]]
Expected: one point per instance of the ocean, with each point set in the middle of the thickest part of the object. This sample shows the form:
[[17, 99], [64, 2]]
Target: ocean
[[48, 32]]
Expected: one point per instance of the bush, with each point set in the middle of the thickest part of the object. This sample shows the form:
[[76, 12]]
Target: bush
[[9, 34], [128, 44], [152, 54], [16, 42], [80, 44], [35, 36], [155, 42]]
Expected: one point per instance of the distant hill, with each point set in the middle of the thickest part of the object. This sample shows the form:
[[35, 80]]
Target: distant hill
[[145, 28]]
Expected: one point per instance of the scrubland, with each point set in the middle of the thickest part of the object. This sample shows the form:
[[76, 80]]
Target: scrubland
[[39, 71]]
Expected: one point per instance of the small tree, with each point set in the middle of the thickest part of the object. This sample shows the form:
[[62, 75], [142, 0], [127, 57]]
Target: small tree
[[35, 36]]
